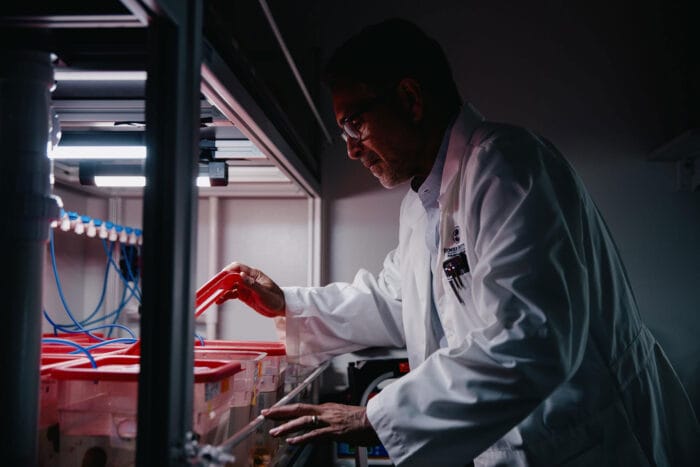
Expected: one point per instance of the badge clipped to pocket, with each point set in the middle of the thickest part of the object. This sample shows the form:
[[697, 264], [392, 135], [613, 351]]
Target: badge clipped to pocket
[[455, 267]]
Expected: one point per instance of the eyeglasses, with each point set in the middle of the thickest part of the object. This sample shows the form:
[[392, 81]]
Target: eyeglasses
[[351, 125]]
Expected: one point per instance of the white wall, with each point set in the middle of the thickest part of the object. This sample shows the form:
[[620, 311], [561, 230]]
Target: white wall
[[268, 234], [603, 82]]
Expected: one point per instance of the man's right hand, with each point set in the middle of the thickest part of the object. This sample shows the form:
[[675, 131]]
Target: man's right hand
[[256, 290]]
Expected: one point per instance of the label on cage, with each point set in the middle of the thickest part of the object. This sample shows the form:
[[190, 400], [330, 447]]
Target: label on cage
[[211, 390]]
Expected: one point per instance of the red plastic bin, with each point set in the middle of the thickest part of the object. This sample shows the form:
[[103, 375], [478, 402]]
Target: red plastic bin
[[48, 448], [251, 364], [273, 365], [48, 413], [242, 405], [98, 406]]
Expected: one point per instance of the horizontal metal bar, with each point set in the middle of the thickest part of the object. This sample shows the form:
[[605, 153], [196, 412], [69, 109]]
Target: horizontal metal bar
[[73, 21], [93, 111], [139, 10]]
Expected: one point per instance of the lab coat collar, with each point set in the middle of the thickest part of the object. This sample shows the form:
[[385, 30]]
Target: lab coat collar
[[468, 120]]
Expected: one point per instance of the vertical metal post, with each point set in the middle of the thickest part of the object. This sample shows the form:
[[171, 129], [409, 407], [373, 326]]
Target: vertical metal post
[[213, 260], [172, 124], [25, 80]]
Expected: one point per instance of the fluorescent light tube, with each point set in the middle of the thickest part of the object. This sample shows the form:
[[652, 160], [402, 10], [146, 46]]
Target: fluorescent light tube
[[115, 181], [120, 181], [83, 75], [97, 152]]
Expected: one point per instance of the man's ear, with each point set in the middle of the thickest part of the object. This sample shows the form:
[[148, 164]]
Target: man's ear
[[411, 98]]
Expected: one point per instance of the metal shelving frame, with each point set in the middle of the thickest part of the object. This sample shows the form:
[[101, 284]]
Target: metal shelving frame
[[176, 76]]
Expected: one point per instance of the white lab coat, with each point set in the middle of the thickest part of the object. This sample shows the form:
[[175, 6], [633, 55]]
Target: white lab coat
[[547, 360]]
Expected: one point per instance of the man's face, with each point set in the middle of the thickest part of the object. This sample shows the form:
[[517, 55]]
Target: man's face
[[388, 145]]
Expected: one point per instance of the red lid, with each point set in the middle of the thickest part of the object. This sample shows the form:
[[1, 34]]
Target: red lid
[[271, 348], [226, 354], [57, 349], [109, 348], [127, 367], [50, 361], [67, 349]]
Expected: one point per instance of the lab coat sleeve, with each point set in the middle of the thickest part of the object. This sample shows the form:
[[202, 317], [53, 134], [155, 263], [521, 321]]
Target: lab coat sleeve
[[321, 322], [528, 286]]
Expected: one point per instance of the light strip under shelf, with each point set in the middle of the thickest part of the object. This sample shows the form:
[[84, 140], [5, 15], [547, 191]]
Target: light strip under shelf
[[97, 152], [137, 181], [85, 75]]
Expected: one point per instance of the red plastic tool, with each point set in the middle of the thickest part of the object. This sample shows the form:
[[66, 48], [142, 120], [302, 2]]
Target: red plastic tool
[[213, 290]]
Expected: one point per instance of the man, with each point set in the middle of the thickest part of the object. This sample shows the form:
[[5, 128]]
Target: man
[[524, 339]]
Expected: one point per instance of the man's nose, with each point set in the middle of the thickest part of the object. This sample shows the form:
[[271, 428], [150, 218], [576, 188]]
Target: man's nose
[[355, 148]]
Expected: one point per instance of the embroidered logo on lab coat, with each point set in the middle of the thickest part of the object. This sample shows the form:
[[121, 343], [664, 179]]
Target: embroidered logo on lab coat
[[454, 251]]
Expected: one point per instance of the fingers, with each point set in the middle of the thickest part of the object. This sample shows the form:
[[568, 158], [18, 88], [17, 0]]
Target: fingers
[[227, 295], [248, 279], [297, 424], [248, 275], [286, 412], [306, 422], [234, 292], [316, 427], [300, 416], [237, 267], [256, 290]]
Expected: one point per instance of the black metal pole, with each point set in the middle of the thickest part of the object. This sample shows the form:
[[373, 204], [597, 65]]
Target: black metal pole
[[25, 80], [167, 324]]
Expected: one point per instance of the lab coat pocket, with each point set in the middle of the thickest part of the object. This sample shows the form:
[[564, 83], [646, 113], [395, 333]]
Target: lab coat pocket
[[456, 268], [457, 310]]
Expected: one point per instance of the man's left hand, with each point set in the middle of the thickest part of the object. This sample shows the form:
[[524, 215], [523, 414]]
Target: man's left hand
[[326, 421]]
